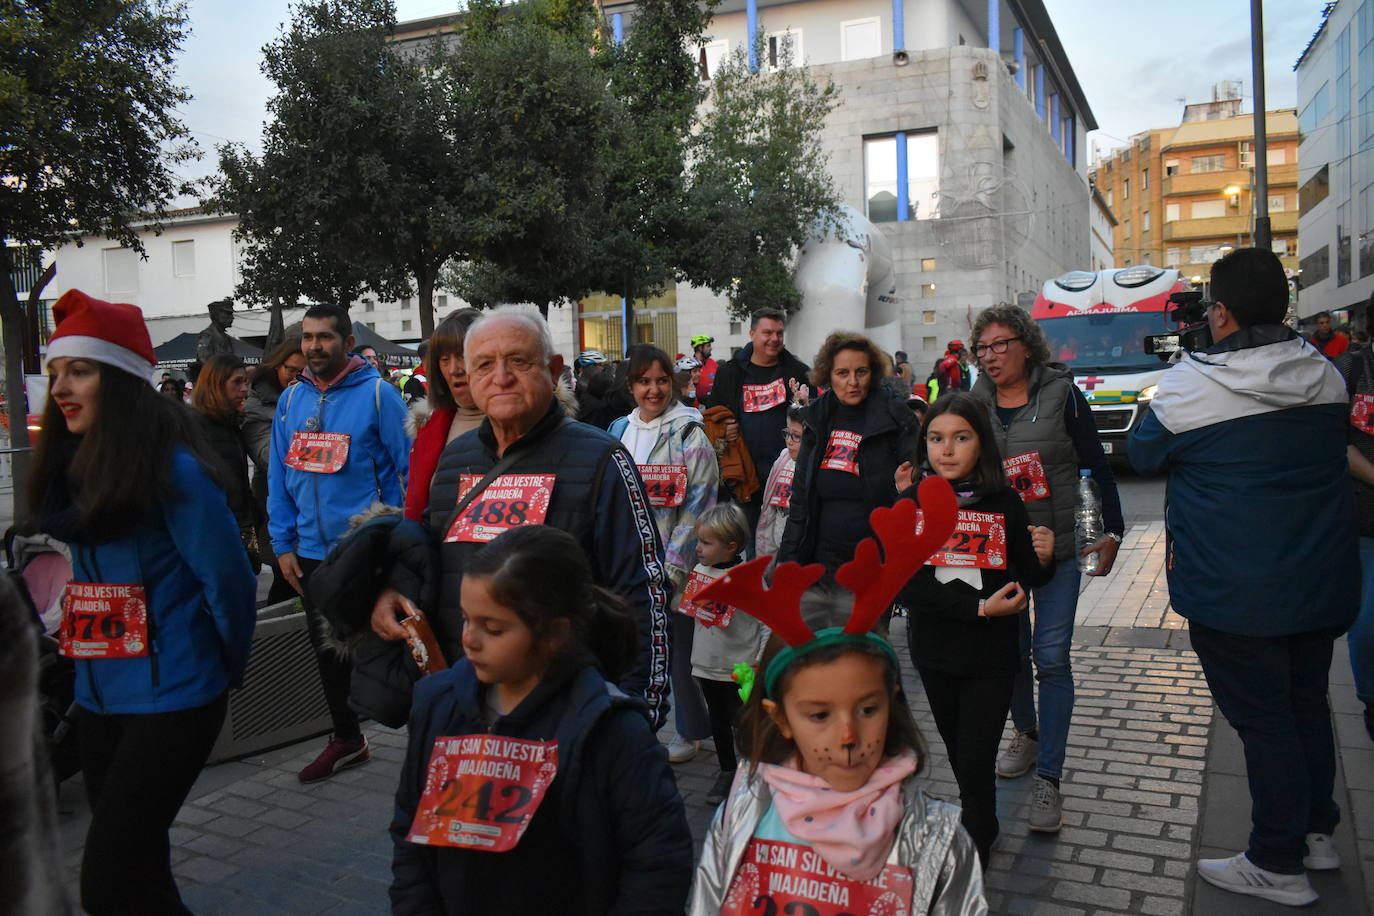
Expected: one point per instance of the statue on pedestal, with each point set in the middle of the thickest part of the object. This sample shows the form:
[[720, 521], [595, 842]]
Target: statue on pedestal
[[215, 339]]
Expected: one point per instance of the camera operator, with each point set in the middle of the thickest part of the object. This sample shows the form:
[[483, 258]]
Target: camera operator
[[1262, 557]]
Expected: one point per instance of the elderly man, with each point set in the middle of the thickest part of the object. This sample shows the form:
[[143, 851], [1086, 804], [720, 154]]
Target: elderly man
[[584, 477]]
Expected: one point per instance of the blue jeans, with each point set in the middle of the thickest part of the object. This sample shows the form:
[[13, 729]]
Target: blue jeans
[[1272, 689], [1361, 637], [1054, 604]]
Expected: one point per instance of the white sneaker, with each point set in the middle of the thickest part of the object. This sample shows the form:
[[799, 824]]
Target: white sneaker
[[681, 750], [1321, 853], [1241, 876], [1018, 756]]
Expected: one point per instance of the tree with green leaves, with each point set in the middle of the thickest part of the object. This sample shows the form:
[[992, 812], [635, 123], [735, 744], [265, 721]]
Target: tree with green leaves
[[350, 192], [760, 183], [89, 142]]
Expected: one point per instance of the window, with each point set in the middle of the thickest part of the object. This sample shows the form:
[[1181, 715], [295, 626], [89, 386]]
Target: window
[[1145, 221], [405, 304], [369, 305], [927, 264], [1314, 113], [1173, 257], [1144, 179], [371, 325], [405, 325], [1277, 203], [1170, 213], [184, 258], [1316, 267], [1125, 189], [121, 270], [785, 49], [1343, 244], [442, 302], [736, 327], [1170, 167], [1204, 254], [1126, 228], [1367, 230], [1276, 156], [711, 57], [928, 317], [1111, 198], [1146, 258], [928, 343], [923, 176], [1208, 163], [1247, 154], [861, 38], [1280, 247], [927, 290], [1208, 209]]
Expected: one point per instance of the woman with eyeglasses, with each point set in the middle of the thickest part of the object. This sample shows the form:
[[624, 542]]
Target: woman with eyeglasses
[[1045, 433], [853, 439], [277, 372], [668, 442]]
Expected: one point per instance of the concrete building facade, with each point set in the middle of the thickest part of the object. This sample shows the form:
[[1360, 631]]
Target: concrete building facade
[[1336, 172], [1183, 196], [1102, 222]]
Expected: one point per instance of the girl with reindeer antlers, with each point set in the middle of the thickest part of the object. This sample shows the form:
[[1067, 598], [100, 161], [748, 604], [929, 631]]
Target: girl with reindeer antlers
[[828, 817]]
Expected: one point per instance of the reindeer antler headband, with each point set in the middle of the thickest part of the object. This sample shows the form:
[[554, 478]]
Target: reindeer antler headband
[[874, 582]]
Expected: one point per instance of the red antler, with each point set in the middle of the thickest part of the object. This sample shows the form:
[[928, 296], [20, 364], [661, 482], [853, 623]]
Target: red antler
[[876, 583], [778, 607]]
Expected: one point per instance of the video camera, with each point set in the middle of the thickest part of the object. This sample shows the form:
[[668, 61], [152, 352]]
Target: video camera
[[1190, 310]]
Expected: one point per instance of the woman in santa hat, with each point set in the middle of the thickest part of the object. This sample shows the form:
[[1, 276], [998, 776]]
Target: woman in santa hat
[[160, 612]]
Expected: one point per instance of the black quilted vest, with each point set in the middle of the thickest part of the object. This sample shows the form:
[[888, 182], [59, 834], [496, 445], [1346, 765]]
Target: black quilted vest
[[576, 452]]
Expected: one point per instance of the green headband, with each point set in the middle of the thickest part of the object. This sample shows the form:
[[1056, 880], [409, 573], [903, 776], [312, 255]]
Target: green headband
[[830, 636]]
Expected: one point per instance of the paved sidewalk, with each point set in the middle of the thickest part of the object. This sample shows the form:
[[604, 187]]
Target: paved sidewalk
[[1152, 779]]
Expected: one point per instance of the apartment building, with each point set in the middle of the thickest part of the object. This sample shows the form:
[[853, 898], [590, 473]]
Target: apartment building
[[1184, 196], [1336, 172]]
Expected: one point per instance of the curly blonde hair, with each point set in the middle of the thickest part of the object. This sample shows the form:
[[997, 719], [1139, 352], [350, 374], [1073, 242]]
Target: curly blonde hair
[[1019, 320], [824, 363]]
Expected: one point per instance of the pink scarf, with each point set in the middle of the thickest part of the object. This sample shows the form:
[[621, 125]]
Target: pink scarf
[[852, 831]]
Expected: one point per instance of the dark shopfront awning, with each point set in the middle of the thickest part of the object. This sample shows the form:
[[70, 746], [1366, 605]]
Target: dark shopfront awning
[[180, 352], [392, 355]]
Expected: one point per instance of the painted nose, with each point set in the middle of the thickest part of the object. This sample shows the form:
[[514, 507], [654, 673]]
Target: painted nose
[[848, 736]]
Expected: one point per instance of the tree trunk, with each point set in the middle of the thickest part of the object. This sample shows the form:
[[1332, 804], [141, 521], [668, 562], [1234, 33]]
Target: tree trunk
[[32, 364], [16, 401], [425, 278], [276, 327]]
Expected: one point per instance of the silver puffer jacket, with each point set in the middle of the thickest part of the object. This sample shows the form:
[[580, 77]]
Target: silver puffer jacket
[[944, 864]]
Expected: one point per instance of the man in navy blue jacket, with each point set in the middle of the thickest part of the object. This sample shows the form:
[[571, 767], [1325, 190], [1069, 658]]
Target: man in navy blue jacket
[[1262, 558]]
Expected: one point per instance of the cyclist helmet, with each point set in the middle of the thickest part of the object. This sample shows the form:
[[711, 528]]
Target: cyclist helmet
[[699, 339], [590, 358], [687, 364]]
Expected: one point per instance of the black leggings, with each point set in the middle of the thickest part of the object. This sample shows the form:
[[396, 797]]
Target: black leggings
[[138, 771], [336, 672], [969, 713], [723, 703]]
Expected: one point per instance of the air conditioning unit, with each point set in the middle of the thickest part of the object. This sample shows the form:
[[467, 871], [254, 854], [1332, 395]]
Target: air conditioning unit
[[282, 701]]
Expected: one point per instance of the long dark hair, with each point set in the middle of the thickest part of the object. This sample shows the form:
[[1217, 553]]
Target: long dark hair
[[542, 575], [111, 480], [823, 606], [987, 473]]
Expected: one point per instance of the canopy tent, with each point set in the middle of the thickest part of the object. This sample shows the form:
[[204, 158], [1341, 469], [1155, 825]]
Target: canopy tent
[[180, 352], [392, 355]]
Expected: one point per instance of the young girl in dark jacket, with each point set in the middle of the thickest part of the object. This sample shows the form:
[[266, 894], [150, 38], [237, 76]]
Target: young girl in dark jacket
[[531, 784], [963, 629]]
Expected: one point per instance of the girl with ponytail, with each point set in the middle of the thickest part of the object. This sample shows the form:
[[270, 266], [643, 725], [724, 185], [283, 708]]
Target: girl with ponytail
[[524, 758]]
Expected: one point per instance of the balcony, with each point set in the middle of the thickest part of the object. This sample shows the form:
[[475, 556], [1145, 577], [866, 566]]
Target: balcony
[[1214, 182], [1227, 226]]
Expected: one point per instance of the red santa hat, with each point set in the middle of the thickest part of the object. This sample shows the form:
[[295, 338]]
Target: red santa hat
[[112, 333]]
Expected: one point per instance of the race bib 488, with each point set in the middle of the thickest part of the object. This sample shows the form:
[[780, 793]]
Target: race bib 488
[[509, 501]]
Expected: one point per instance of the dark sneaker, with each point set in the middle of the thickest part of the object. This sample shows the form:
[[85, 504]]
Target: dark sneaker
[[336, 756], [720, 788], [1241, 876], [1047, 807]]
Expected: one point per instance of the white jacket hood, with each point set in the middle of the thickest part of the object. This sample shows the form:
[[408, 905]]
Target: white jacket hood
[[1258, 370]]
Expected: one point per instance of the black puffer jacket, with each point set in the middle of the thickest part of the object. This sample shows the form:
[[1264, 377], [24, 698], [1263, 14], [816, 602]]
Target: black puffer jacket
[[226, 444], [386, 550], [890, 440], [610, 837]]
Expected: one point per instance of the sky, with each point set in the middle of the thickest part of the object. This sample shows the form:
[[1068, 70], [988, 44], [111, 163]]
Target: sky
[[1135, 60]]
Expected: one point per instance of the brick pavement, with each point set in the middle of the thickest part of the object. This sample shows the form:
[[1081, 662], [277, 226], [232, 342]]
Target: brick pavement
[[1150, 779]]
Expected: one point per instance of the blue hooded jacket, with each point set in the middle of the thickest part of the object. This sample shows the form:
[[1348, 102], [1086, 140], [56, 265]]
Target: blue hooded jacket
[[202, 602], [1260, 513], [308, 512]]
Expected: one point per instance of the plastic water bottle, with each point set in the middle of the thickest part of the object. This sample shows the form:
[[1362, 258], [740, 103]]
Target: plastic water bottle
[[1087, 524]]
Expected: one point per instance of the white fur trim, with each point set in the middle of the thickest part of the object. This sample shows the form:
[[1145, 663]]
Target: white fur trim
[[100, 350]]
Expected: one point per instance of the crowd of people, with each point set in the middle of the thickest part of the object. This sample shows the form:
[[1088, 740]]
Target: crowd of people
[[534, 565]]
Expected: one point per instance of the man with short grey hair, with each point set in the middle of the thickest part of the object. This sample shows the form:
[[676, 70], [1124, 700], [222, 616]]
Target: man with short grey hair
[[571, 476]]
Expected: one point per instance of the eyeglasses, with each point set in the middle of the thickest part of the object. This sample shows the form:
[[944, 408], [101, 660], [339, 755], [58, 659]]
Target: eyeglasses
[[788, 436], [997, 346]]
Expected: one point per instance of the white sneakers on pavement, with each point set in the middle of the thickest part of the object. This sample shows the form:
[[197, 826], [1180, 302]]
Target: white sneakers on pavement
[[1241, 876], [1047, 807], [1018, 756], [681, 750], [1321, 853]]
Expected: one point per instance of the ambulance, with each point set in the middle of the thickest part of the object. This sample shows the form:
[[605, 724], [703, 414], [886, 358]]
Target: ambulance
[[1097, 323]]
